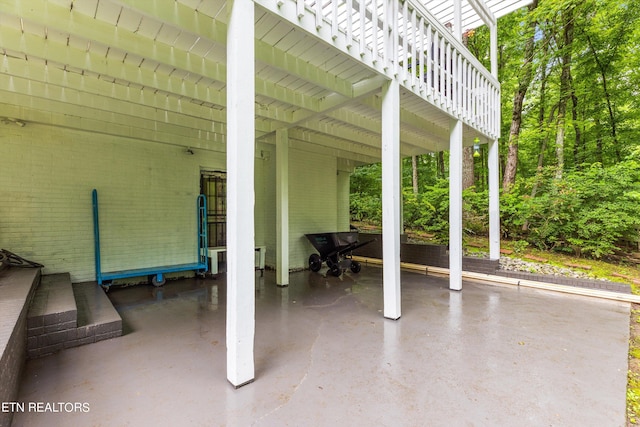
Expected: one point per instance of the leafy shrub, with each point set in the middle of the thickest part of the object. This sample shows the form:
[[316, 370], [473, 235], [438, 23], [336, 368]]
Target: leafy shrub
[[366, 207], [589, 212]]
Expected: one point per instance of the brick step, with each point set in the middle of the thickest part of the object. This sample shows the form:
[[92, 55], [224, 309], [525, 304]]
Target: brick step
[[52, 317], [63, 315], [97, 317]]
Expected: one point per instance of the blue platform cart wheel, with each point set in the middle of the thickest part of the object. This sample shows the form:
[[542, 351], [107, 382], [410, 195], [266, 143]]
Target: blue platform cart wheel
[[158, 280]]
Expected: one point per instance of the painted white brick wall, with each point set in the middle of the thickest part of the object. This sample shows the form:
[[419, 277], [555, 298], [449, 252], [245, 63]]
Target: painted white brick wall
[[342, 197], [318, 202], [312, 201], [147, 194], [268, 210]]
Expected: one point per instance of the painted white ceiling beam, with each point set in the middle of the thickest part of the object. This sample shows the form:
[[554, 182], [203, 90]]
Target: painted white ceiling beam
[[215, 31], [108, 35], [112, 108], [335, 143], [110, 96], [79, 60], [419, 123], [374, 125], [60, 114], [336, 101], [59, 23]]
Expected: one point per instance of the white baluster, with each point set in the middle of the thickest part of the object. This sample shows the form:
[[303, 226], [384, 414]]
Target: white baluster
[[318, 14], [334, 19], [363, 12], [349, 23], [374, 33], [405, 36], [415, 64]]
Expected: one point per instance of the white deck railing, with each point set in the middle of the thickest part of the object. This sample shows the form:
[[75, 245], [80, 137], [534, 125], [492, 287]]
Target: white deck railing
[[412, 45]]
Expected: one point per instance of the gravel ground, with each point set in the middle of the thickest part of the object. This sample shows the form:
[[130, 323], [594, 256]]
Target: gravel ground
[[516, 264]]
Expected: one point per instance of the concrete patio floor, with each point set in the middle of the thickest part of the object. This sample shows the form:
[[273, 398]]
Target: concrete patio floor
[[325, 356]]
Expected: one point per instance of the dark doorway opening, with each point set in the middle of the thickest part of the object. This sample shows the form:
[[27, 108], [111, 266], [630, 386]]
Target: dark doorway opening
[[213, 184]]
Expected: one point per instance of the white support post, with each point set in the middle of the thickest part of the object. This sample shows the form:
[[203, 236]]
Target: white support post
[[493, 49], [457, 19], [240, 193], [455, 205], [391, 199], [494, 201], [282, 207], [494, 161]]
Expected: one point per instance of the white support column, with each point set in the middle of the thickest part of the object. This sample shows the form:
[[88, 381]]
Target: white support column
[[457, 19], [391, 199], [240, 193], [455, 205], [494, 162], [493, 49], [282, 207], [494, 201]]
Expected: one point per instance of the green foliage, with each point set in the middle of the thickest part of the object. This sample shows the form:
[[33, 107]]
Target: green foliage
[[428, 210], [366, 189], [633, 398], [520, 246], [590, 212], [367, 179], [366, 208]]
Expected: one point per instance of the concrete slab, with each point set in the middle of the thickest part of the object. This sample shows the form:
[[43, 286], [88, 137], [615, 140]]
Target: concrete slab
[[325, 356]]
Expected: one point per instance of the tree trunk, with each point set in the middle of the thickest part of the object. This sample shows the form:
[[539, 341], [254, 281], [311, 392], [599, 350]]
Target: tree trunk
[[599, 141], [414, 174], [577, 146], [603, 75], [441, 164], [565, 87], [524, 81], [468, 178], [542, 125]]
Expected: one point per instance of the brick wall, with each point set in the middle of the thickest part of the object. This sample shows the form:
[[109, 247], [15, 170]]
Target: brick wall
[[17, 287], [147, 194], [560, 280], [312, 201], [342, 194], [424, 254]]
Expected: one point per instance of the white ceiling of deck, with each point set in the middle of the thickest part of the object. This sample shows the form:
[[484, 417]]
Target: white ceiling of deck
[[156, 70]]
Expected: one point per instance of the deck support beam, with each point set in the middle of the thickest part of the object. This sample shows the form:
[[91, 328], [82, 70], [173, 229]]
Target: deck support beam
[[494, 162], [391, 199], [282, 207], [240, 193], [494, 201], [455, 205]]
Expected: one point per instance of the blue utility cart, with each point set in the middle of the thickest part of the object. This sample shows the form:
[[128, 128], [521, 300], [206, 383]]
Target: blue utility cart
[[155, 274]]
